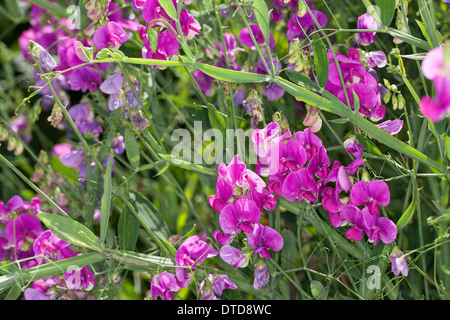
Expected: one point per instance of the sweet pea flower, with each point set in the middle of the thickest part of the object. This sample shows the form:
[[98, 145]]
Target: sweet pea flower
[[167, 45], [366, 21], [194, 251], [238, 216], [301, 27], [263, 238], [391, 126], [163, 285], [300, 185], [261, 275], [234, 257], [47, 246], [12, 205], [189, 25], [398, 262], [352, 146], [246, 39], [110, 36], [272, 91], [435, 67], [373, 194], [376, 228], [218, 283]]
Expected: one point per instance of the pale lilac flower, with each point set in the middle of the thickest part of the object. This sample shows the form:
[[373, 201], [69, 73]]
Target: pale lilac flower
[[234, 257], [373, 194], [398, 262], [163, 285], [261, 275], [34, 294], [366, 21], [391, 126], [376, 59], [112, 84], [219, 282], [263, 238], [46, 61]]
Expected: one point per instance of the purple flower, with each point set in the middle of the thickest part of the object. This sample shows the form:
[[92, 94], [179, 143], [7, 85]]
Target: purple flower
[[219, 282], [48, 246], [373, 194], [239, 216], [367, 22], [376, 228], [261, 274], [13, 204], [234, 257], [376, 59], [21, 233], [272, 91], [263, 238], [163, 285], [167, 45], [34, 294], [300, 27], [110, 36], [112, 84], [77, 278], [189, 25], [246, 40], [435, 67], [398, 262], [357, 80], [46, 61], [352, 146], [85, 78], [223, 196], [194, 251]]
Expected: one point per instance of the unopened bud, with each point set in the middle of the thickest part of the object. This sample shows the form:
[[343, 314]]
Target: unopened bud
[[44, 58]]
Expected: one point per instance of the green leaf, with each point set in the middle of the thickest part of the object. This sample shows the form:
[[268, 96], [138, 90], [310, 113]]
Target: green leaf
[[406, 37], [216, 119], [289, 251], [320, 61], [301, 79], [387, 11], [132, 148], [150, 218], [128, 230], [368, 145], [408, 214], [231, 75], [169, 8], [318, 291], [262, 17], [152, 36], [105, 205], [71, 231], [429, 23], [14, 292]]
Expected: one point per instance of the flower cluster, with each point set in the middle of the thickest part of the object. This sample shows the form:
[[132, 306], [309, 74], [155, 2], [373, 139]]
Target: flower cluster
[[191, 253], [23, 241]]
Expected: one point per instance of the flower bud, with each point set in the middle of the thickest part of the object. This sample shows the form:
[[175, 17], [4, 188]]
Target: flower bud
[[44, 58], [398, 261]]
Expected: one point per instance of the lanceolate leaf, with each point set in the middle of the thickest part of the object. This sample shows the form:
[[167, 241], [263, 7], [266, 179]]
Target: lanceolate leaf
[[320, 61], [132, 148], [71, 231], [231, 75], [387, 11], [169, 8], [106, 201]]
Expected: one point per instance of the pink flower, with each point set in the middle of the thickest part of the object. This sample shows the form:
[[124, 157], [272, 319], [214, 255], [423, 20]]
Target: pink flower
[[239, 216], [263, 238], [436, 67], [398, 262], [163, 285], [373, 194], [366, 21], [110, 36]]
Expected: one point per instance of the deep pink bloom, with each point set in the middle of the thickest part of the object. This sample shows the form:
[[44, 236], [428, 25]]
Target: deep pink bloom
[[21, 233], [163, 285], [263, 238], [48, 246], [189, 25], [366, 21], [246, 40], [300, 185], [271, 91], [238, 216], [110, 36], [435, 67], [352, 146], [13, 204], [300, 27], [167, 45], [373, 194], [223, 196], [194, 251]]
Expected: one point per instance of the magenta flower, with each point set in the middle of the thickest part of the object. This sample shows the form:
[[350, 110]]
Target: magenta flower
[[167, 45], [352, 146], [357, 80], [21, 233], [263, 238], [13, 204], [194, 251], [163, 285], [110, 36], [398, 262], [218, 283], [189, 25], [77, 278], [272, 91], [435, 67], [224, 193], [366, 21], [85, 78], [48, 246], [246, 40], [376, 228], [300, 27], [373, 194], [234, 257], [239, 216], [300, 185]]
